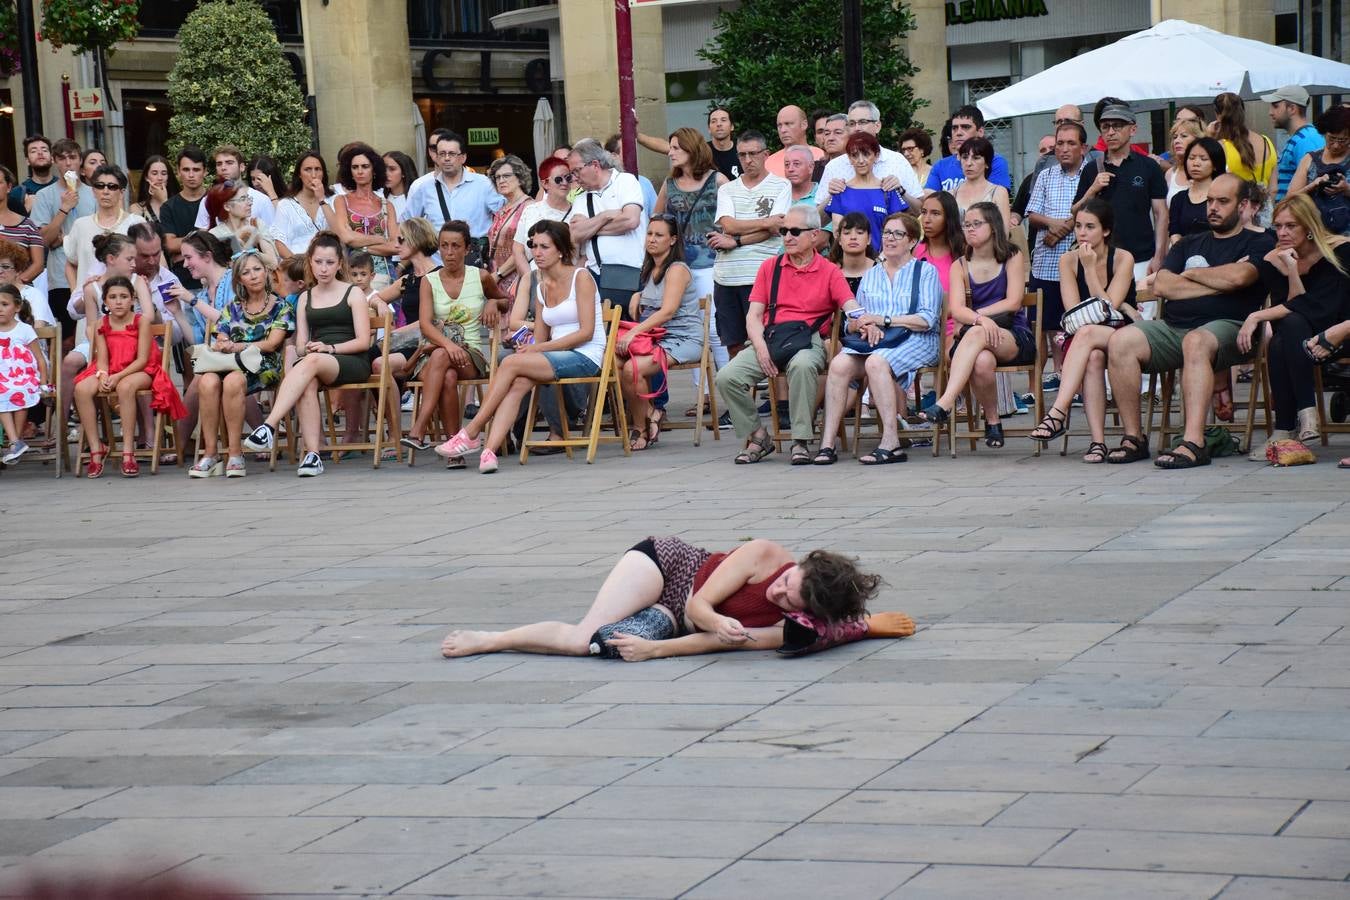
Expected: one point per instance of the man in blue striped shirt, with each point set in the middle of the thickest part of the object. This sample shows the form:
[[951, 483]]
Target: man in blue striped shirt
[[1289, 112]]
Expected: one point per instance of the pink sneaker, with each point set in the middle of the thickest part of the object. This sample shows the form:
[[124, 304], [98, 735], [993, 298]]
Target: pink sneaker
[[458, 445], [487, 462]]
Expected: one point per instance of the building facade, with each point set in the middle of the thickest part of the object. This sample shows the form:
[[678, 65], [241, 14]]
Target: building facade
[[386, 72]]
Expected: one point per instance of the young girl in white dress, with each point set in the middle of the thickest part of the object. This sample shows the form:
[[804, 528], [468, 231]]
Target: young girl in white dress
[[23, 371]]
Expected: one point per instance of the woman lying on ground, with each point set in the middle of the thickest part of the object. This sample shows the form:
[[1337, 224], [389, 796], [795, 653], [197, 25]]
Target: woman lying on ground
[[690, 600]]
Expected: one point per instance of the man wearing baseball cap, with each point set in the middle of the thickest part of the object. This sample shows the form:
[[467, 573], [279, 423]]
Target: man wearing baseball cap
[[1289, 112], [1134, 186]]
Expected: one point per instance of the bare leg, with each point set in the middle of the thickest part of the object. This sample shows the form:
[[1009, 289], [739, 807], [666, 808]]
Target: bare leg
[[843, 368], [506, 413], [984, 388], [72, 365], [1126, 355], [451, 414], [208, 398], [962, 365], [633, 584], [183, 427], [1199, 349], [882, 381], [433, 381], [297, 384], [126, 405], [232, 405], [84, 402], [353, 406], [532, 366], [12, 432]]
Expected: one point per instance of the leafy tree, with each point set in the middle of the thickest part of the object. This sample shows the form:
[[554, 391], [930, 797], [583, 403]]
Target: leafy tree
[[768, 54], [231, 84]]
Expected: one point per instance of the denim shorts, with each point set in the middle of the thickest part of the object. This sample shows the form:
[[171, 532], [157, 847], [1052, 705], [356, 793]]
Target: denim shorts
[[571, 364]]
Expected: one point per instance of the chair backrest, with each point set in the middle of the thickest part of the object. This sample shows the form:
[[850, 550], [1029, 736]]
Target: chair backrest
[[612, 316], [1034, 300], [383, 325], [163, 333]]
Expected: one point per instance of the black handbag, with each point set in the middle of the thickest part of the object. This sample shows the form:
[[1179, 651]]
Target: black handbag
[[891, 337], [785, 340], [613, 277]]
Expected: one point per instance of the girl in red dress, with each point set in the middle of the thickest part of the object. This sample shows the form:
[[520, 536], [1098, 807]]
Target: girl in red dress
[[123, 364]]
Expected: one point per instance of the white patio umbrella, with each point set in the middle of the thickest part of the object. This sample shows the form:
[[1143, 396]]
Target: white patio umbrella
[[544, 139], [419, 154], [1172, 61]]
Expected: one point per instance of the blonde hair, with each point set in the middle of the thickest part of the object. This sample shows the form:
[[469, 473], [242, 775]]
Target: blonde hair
[[1187, 126], [1305, 213], [237, 271]]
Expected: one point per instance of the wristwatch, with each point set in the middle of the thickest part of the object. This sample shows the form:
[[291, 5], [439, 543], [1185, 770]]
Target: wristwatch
[[738, 240], [886, 321]]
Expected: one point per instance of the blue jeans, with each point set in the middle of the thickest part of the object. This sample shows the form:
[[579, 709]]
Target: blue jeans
[[570, 364]]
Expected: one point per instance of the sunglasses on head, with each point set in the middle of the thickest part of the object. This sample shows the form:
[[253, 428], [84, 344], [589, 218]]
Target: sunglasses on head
[[795, 232]]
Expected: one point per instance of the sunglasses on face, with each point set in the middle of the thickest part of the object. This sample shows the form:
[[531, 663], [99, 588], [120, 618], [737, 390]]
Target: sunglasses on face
[[107, 186], [562, 179], [795, 232]]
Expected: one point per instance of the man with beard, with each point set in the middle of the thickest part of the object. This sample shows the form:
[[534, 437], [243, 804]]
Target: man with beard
[[1211, 285]]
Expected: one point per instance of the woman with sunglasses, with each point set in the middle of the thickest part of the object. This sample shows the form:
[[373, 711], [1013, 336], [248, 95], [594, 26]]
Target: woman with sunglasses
[[229, 209], [555, 180], [511, 178], [110, 216]]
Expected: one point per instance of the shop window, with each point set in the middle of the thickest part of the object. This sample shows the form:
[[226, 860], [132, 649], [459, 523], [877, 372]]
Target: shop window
[[509, 119], [1286, 30], [145, 118], [163, 18], [469, 21]]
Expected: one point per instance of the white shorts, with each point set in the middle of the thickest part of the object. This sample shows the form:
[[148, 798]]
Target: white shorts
[[84, 350]]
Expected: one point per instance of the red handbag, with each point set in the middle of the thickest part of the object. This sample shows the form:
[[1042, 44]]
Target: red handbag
[[645, 343]]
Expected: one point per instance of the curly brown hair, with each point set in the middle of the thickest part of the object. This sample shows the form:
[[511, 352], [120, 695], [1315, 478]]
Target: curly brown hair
[[15, 253], [833, 588]]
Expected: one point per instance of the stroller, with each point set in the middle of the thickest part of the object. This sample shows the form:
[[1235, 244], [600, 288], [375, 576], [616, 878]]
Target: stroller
[[1336, 383]]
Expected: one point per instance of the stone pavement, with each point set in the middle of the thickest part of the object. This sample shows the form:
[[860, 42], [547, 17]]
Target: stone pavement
[[1128, 683]]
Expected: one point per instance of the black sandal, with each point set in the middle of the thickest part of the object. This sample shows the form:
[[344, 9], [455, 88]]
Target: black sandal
[[1097, 449], [1171, 459], [825, 456], [993, 436], [1131, 449], [882, 457], [1052, 426], [935, 414], [800, 454], [1332, 349], [762, 447]]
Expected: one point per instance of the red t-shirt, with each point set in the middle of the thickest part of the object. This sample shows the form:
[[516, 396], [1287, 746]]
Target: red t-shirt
[[804, 294]]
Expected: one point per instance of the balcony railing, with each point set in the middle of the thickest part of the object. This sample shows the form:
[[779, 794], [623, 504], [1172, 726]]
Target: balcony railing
[[163, 18]]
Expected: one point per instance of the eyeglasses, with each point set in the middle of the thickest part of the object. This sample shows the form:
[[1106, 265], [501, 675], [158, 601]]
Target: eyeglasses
[[795, 232], [1114, 126], [854, 123], [241, 198], [107, 186], [750, 154], [910, 149], [562, 179], [449, 154], [502, 176], [972, 224], [1339, 140], [897, 235]]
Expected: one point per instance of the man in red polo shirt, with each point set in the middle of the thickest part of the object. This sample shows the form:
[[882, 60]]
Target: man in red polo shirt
[[810, 288]]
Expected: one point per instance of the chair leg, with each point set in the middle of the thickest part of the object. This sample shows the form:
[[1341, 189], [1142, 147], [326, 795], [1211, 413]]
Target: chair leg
[[529, 424]]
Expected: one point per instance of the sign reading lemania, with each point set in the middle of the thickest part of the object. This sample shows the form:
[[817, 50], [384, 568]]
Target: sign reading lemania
[[967, 11]]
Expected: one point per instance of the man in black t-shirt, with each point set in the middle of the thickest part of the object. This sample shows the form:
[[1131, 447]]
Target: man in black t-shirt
[[720, 143], [178, 214], [1211, 285], [1134, 186]]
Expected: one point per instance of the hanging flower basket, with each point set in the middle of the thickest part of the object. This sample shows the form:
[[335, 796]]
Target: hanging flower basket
[[9, 39], [89, 25]]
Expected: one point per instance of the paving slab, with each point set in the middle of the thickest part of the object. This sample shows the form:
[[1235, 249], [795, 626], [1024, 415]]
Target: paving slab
[[1152, 703]]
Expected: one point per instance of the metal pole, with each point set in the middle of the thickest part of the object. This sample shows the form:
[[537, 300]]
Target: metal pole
[[623, 30], [32, 100], [853, 56]]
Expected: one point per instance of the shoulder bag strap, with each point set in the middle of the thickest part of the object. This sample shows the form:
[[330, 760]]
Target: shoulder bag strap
[[440, 195], [914, 289], [773, 288], [595, 238]]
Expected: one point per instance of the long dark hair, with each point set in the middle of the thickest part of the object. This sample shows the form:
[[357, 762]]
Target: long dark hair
[[951, 218], [1105, 214], [676, 253], [143, 190], [854, 221], [297, 185], [405, 168], [268, 166]]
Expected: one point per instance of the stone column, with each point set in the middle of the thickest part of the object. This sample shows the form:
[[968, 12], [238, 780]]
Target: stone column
[[591, 75], [926, 46], [1253, 19], [359, 69]]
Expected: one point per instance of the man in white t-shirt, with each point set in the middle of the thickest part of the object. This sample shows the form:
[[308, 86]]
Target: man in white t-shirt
[[609, 221], [229, 166], [894, 170], [749, 213]]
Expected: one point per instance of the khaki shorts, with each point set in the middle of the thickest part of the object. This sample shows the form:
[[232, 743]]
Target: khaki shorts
[[1164, 344]]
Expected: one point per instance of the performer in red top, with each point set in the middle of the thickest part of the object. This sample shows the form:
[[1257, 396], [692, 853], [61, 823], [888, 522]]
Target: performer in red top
[[670, 598]]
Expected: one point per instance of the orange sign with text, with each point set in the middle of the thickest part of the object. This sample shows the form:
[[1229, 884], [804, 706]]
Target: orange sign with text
[[85, 105]]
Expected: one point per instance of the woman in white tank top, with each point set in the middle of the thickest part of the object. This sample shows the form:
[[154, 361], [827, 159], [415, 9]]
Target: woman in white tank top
[[568, 342]]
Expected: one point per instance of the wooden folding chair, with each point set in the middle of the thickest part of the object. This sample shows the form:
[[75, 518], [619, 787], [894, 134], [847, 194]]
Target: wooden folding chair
[[1258, 395], [54, 446], [382, 385], [605, 386], [162, 440], [1325, 422], [931, 431], [1033, 370], [707, 381], [465, 386]]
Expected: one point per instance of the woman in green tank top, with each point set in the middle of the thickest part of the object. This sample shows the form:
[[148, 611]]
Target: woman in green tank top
[[457, 303]]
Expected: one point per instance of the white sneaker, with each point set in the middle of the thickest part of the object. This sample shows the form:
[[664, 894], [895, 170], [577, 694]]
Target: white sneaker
[[16, 450], [407, 405], [310, 466], [261, 438], [1308, 427]]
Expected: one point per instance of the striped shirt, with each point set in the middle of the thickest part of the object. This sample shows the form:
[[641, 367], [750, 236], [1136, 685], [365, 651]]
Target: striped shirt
[[25, 234], [1052, 197], [1300, 144], [884, 296]]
